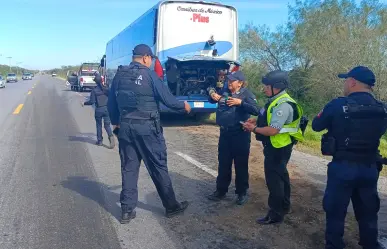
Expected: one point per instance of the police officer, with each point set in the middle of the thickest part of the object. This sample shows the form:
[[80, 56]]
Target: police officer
[[234, 142], [355, 124], [134, 99], [278, 129], [99, 97]]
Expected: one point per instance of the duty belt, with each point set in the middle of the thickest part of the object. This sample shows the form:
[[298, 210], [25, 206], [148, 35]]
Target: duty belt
[[231, 128], [140, 115]]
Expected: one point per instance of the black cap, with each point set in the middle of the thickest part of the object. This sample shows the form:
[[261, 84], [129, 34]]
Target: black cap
[[276, 77], [360, 73], [143, 50], [238, 75]]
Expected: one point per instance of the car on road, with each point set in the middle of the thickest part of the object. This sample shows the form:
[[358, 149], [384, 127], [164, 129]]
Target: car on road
[[11, 77], [26, 76], [53, 74], [2, 82]]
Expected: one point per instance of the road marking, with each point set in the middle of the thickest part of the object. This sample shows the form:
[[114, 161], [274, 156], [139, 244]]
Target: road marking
[[29, 92], [33, 86], [18, 109], [197, 164]]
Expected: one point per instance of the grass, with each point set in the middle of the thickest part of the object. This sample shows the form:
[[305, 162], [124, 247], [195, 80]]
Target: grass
[[312, 143]]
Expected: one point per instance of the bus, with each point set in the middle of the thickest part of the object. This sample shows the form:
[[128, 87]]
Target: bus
[[196, 44]]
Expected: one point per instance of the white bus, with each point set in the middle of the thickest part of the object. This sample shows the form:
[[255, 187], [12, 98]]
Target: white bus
[[196, 42]]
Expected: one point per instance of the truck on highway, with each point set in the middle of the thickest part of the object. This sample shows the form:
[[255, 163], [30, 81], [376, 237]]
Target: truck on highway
[[195, 42], [85, 77]]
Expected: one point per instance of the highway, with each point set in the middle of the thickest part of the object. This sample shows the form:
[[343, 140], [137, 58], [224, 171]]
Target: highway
[[59, 190]]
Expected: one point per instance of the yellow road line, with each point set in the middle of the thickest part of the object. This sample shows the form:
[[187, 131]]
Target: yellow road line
[[29, 92], [18, 109]]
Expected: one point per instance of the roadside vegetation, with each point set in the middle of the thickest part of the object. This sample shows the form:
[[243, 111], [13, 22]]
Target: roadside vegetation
[[62, 71], [4, 70]]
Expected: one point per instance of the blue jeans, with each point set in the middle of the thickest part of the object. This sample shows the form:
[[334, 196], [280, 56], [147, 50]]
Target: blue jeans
[[357, 182]]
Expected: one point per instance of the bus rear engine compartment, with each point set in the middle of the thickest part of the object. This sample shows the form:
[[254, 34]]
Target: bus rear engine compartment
[[194, 77]]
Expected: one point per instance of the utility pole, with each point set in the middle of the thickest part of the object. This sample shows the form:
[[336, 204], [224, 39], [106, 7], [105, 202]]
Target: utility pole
[[10, 69], [17, 67]]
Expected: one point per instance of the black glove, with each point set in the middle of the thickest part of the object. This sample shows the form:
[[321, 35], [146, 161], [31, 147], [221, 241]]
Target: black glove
[[116, 131]]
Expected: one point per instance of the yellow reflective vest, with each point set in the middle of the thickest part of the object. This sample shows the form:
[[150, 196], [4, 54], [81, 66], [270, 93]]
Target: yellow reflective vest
[[283, 138]]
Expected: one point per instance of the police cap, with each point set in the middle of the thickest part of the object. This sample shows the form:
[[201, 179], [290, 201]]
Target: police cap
[[143, 50], [238, 75], [277, 79], [360, 73]]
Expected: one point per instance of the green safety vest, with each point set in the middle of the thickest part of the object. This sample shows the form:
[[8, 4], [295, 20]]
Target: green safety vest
[[283, 138]]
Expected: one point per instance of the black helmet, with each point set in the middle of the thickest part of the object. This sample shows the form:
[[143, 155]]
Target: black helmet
[[277, 79]]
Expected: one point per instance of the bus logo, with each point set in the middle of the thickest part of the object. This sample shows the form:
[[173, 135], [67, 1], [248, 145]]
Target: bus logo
[[200, 18]]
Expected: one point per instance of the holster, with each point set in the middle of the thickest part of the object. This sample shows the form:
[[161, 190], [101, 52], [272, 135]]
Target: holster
[[328, 145]]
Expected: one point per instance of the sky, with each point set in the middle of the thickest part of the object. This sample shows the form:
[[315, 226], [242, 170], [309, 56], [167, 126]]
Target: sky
[[44, 34]]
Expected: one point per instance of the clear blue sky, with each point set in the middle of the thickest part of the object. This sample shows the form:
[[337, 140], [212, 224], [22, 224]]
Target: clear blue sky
[[44, 34]]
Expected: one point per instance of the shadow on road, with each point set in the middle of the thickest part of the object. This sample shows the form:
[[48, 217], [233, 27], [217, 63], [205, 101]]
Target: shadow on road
[[104, 195], [86, 138]]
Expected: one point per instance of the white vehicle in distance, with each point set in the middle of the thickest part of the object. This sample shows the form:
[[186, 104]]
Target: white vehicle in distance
[[26, 76], [11, 77], [2, 82], [53, 74]]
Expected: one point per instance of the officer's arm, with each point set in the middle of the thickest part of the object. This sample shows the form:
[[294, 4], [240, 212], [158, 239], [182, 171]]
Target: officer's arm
[[323, 120], [114, 113], [280, 114], [220, 92], [91, 100], [164, 95], [249, 104]]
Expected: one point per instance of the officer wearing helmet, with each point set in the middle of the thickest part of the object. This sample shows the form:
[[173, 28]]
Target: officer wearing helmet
[[278, 128], [355, 124], [99, 97]]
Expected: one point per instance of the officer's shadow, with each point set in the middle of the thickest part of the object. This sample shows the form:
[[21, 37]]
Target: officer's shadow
[[106, 196], [86, 138]]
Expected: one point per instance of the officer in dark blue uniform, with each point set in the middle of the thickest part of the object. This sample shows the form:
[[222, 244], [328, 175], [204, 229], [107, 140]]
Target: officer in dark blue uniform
[[99, 97], [234, 142], [355, 124], [134, 109]]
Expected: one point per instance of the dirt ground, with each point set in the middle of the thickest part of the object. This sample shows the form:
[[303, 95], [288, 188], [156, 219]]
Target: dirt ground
[[303, 228]]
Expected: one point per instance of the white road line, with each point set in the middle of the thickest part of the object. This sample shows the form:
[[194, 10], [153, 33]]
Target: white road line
[[197, 164]]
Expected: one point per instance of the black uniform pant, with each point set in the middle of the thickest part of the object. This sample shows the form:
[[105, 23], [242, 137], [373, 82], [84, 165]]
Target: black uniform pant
[[102, 114], [277, 179], [140, 140], [234, 146]]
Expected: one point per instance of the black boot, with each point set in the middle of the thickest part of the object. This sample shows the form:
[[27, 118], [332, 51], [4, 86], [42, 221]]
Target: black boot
[[216, 196], [126, 217], [99, 143], [177, 210], [242, 199], [112, 142], [267, 220]]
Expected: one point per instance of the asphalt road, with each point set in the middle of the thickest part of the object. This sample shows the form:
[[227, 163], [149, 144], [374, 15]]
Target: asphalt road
[[59, 190], [12, 95]]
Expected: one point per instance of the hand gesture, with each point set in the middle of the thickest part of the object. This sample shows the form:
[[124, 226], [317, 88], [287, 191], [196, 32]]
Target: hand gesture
[[234, 101], [252, 120], [187, 107], [248, 126], [215, 96]]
